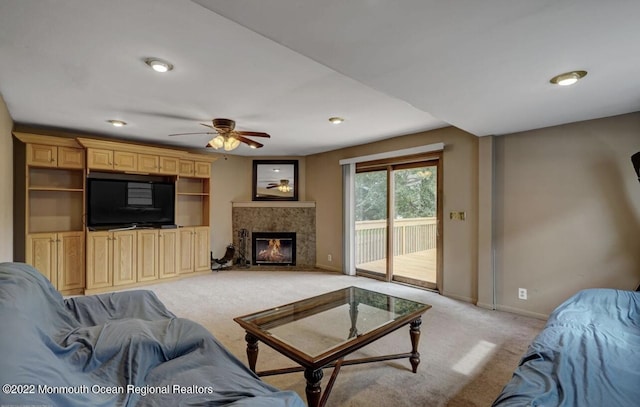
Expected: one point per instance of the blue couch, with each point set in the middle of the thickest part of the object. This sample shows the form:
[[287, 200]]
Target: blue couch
[[118, 349], [588, 354]]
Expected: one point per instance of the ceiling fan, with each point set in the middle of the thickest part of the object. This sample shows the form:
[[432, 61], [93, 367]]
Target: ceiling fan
[[283, 185], [226, 137]]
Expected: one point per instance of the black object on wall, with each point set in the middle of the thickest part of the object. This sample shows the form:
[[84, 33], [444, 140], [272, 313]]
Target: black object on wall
[[635, 159]]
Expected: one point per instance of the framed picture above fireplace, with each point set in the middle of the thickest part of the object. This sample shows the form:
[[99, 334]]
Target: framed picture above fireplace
[[275, 180]]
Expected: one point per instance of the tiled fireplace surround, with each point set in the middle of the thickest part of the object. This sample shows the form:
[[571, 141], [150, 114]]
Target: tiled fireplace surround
[[279, 216]]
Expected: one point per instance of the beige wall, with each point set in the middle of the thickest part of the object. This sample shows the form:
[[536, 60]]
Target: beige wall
[[567, 212], [231, 181], [324, 186], [6, 184]]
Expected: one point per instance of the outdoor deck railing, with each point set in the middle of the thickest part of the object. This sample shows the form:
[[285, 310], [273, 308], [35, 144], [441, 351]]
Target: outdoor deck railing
[[410, 236]]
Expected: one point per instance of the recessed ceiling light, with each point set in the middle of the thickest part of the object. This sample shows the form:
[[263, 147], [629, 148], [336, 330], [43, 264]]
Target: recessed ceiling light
[[336, 120], [568, 78], [158, 65], [117, 123]]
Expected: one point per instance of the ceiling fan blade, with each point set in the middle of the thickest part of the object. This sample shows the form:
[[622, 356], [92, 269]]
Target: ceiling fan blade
[[186, 134], [272, 186], [247, 141], [252, 133], [208, 125]]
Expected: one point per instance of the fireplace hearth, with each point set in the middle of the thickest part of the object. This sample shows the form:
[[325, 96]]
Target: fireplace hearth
[[273, 248]]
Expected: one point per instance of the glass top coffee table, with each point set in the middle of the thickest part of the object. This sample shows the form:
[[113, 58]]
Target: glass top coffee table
[[320, 331]]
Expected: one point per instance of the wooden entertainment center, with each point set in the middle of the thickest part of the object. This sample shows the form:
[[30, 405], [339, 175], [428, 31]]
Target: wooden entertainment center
[[50, 206]]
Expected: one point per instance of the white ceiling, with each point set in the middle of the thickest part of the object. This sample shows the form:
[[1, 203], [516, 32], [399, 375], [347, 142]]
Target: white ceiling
[[285, 66]]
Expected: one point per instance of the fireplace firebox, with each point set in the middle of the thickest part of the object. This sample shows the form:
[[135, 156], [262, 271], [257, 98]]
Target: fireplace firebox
[[273, 248]]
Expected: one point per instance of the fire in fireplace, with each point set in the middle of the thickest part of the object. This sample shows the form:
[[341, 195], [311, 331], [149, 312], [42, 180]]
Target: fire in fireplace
[[273, 248]]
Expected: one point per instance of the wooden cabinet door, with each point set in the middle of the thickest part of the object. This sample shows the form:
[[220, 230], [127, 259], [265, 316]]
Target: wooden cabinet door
[[186, 250], [125, 161], [41, 254], [148, 163], [70, 254], [187, 168], [147, 255], [202, 169], [99, 260], [69, 157], [169, 165], [124, 257], [99, 159], [168, 253], [202, 254], [42, 155]]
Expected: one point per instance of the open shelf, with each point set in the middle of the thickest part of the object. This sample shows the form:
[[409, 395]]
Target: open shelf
[[52, 179], [191, 210], [55, 211], [192, 202], [55, 189], [189, 186]]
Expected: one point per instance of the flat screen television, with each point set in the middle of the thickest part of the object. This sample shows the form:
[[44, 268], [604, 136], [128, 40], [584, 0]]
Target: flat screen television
[[122, 203]]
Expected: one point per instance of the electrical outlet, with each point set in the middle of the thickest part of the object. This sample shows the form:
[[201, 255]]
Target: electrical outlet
[[522, 293], [329, 257]]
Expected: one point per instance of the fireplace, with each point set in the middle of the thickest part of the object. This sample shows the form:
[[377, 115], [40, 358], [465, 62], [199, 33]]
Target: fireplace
[[278, 216], [273, 248]]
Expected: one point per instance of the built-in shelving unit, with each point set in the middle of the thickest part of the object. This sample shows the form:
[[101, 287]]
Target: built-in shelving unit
[[50, 197], [50, 207]]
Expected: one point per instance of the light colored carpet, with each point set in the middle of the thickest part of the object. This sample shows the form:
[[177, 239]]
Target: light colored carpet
[[467, 353]]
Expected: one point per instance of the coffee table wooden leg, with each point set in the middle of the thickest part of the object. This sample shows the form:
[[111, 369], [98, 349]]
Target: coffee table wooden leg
[[252, 351], [414, 331], [313, 389]]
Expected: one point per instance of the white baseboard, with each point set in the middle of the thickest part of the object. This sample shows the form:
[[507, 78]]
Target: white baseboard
[[459, 297], [328, 268], [486, 306], [519, 311]]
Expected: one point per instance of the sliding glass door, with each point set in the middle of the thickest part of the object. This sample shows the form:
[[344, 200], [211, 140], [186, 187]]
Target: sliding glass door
[[405, 245], [371, 222], [415, 224]]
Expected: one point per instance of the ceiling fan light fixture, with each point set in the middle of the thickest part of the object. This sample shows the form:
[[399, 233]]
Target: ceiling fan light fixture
[[217, 142], [336, 120], [158, 65], [226, 137], [231, 143], [117, 123], [568, 78]]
